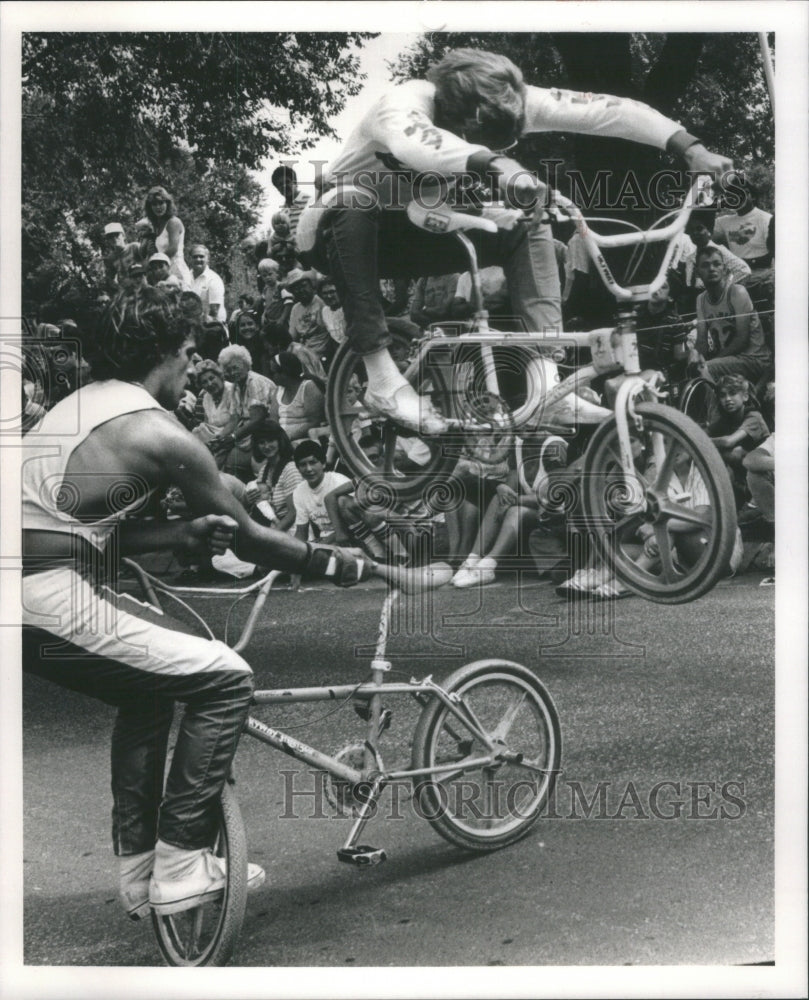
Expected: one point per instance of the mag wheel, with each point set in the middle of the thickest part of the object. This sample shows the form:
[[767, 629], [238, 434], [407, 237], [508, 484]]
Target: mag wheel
[[207, 935], [679, 487], [485, 794], [392, 464]]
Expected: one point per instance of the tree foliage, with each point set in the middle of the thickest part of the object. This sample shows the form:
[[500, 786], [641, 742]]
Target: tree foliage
[[105, 116]]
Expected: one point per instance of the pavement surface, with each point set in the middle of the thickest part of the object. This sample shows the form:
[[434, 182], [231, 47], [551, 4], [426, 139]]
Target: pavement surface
[[646, 695]]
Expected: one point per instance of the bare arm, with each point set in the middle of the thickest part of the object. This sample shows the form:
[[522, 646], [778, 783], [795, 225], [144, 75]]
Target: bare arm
[[744, 308], [174, 231]]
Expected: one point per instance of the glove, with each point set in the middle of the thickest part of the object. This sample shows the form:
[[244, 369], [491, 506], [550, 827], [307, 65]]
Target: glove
[[336, 564]]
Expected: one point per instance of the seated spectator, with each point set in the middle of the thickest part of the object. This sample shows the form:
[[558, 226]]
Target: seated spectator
[[758, 517], [494, 289], [301, 404], [515, 509], [268, 497], [309, 496], [432, 302], [245, 331], [306, 325], [255, 399], [281, 240], [217, 400], [212, 338], [157, 269], [277, 305], [739, 427], [31, 412], [699, 229], [333, 317], [246, 303], [586, 303], [477, 484], [661, 333], [729, 333]]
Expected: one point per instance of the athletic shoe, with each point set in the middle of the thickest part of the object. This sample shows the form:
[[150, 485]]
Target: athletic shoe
[[478, 575], [135, 872], [583, 582], [410, 411], [185, 879]]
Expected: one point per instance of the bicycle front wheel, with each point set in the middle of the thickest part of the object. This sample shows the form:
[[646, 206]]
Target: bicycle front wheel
[[207, 935], [483, 797], [679, 486], [392, 464]]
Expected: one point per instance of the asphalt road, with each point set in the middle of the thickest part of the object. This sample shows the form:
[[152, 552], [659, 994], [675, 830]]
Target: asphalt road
[[646, 694]]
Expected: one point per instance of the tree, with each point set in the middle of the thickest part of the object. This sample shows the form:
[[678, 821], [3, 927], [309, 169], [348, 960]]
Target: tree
[[105, 116]]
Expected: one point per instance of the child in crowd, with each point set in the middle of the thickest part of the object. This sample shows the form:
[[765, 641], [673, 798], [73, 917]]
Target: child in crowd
[[281, 240], [738, 429], [269, 496]]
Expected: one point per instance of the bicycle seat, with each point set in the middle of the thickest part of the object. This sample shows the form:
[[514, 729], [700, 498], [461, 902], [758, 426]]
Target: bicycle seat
[[443, 219]]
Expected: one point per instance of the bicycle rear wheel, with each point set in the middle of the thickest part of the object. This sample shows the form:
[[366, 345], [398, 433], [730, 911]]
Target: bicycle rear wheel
[[698, 401], [207, 934], [486, 806], [391, 463], [680, 487]]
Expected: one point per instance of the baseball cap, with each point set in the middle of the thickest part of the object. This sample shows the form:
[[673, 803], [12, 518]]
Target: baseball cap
[[113, 227], [296, 275], [159, 256]]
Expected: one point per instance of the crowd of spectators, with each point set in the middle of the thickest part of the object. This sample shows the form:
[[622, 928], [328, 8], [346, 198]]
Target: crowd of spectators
[[257, 396]]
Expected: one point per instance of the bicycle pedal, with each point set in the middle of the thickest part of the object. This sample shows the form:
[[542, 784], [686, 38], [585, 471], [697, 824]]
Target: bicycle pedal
[[362, 855]]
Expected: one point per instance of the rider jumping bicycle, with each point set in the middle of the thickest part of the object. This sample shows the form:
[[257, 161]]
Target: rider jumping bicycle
[[425, 134]]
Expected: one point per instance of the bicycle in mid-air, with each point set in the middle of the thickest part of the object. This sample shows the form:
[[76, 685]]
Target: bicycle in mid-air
[[484, 757], [634, 462]]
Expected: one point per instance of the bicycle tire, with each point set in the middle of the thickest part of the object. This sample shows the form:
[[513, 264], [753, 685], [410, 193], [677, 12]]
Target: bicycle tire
[[698, 401], [512, 793], [383, 458], [614, 508], [207, 935]]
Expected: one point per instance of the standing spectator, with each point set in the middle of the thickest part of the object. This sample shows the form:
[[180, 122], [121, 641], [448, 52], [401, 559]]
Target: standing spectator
[[256, 400], [729, 333], [306, 324], [208, 285], [300, 402], [277, 305], [749, 232], [333, 317], [432, 302], [285, 181], [118, 256], [169, 231]]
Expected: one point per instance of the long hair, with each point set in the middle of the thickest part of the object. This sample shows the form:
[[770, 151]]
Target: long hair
[[271, 430], [137, 330], [158, 221]]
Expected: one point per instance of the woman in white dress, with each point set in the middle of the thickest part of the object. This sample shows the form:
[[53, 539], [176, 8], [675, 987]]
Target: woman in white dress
[[169, 232]]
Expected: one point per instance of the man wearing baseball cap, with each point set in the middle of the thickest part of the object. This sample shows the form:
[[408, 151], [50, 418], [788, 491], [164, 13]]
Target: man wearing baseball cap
[[306, 325], [157, 269], [118, 256]]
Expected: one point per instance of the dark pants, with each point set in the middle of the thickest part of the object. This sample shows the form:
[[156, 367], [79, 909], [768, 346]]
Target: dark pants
[[358, 247]]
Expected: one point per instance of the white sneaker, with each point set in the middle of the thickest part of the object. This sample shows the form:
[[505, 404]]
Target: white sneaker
[[230, 563], [183, 879], [476, 576], [463, 570], [135, 871], [406, 408]]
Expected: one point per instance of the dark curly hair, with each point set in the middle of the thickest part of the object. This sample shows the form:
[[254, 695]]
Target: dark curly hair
[[139, 328], [271, 430], [158, 221]]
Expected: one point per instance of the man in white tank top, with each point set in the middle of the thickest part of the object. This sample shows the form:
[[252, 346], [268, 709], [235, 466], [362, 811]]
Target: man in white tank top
[[91, 463]]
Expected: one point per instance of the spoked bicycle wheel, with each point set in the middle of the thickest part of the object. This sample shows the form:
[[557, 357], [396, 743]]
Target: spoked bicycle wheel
[[698, 401], [207, 934], [680, 487], [476, 798], [392, 463]]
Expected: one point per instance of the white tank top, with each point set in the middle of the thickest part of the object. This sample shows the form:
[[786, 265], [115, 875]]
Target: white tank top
[[47, 503], [178, 267]]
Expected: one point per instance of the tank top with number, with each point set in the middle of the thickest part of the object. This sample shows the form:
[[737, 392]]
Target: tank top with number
[[720, 321]]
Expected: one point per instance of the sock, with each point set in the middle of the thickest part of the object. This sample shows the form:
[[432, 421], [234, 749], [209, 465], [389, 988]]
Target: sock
[[383, 375]]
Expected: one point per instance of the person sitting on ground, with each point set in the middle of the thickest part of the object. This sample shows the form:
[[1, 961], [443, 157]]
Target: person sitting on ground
[[217, 400], [308, 498], [306, 325], [255, 400], [699, 228], [333, 318], [738, 428], [516, 509], [142, 663], [277, 306], [245, 331], [729, 333], [758, 518], [269, 496], [301, 404]]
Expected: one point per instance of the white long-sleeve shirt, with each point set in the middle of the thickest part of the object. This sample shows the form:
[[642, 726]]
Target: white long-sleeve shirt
[[398, 133]]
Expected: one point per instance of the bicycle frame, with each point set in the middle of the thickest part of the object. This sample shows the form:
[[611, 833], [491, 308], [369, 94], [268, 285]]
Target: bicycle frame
[[369, 691]]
